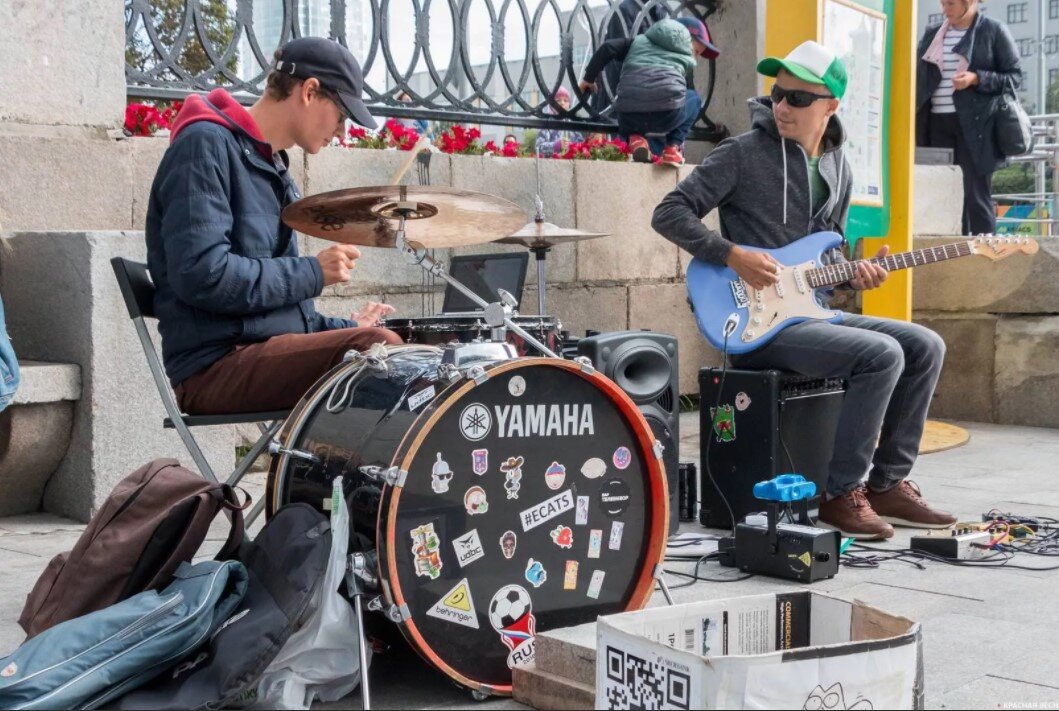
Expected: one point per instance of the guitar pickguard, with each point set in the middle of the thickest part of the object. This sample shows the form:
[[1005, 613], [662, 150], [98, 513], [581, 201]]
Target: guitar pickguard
[[788, 300]]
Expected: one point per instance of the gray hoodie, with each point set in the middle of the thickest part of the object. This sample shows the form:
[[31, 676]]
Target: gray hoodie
[[760, 184]]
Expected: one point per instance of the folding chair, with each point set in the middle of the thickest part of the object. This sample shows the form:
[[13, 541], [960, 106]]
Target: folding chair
[[138, 291]]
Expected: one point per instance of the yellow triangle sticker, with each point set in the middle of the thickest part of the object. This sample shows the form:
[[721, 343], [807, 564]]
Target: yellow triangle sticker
[[459, 599]]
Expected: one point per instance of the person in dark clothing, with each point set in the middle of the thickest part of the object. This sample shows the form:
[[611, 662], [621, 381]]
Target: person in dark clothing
[[233, 297], [785, 178], [656, 91], [965, 63], [622, 25]]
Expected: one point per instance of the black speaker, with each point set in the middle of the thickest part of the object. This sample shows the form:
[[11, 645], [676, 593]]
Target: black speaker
[[644, 365], [772, 423]]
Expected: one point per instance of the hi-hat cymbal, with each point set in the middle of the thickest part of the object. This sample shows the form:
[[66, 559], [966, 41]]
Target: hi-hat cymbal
[[441, 217], [541, 235]]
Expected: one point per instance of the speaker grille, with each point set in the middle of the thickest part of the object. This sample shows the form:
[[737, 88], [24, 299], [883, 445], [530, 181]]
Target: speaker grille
[[665, 400]]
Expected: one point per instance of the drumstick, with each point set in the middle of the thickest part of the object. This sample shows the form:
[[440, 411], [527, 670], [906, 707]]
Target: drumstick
[[421, 145]]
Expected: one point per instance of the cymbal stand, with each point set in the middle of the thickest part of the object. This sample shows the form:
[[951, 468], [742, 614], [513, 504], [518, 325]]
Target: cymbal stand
[[541, 253], [497, 314]]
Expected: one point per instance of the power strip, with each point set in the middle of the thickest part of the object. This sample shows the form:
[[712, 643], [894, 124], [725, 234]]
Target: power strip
[[948, 543]]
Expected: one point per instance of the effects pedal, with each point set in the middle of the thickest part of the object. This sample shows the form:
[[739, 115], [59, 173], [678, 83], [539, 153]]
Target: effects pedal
[[953, 543], [795, 551]]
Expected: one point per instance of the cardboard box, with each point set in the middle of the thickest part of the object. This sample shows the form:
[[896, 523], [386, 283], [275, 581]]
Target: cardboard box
[[794, 650]]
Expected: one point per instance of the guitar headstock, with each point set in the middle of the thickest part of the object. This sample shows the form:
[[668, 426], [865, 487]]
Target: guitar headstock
[[998, 247]]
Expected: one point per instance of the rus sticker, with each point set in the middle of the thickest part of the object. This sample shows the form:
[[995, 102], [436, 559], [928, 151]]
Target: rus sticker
[[595, 542], [596, 584], [570, 575]]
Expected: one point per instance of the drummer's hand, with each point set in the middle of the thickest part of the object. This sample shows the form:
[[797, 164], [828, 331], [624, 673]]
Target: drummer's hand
[[370, 314], [586, 87], [337, 262]]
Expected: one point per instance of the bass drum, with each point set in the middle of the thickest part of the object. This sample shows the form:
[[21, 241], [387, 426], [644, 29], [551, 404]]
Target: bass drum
[[523, 495]]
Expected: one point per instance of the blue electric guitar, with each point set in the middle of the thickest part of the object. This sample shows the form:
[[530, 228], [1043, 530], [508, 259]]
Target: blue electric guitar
[[728, 309]]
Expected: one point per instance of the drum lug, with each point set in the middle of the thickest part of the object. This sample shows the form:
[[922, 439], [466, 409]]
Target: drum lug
[[391, 476], [659, 449], [397, 615], [274, 448], [478, 375], [449, 372], [586, 364]]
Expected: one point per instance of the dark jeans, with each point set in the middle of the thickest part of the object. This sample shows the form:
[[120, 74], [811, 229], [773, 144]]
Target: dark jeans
[[273, 374], [670, 128], [979, 210], [891, 368]]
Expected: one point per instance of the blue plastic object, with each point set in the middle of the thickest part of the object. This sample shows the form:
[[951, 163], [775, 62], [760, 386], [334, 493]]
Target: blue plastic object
[[785, 488]]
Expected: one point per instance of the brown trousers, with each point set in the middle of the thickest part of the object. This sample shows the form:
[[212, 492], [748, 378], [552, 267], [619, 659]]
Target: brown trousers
[[273, 374]]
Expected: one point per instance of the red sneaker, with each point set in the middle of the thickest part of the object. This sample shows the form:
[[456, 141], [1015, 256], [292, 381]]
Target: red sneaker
[[672, 155], [641, 152]]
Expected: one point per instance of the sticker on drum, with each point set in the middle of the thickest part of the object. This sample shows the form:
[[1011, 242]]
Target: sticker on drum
[[555, 476], [475, 501], [508, 543], [614, 497], [423, 396], [480, 461], [511, 614], [457, 606], [475, 422], [516, 386], [468, 548]]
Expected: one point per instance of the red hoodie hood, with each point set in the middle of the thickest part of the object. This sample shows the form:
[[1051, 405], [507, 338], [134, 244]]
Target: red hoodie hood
[[196, 109]]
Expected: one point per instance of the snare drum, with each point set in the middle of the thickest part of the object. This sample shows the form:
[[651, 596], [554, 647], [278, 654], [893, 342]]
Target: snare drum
[[502, 500], [439, 330]]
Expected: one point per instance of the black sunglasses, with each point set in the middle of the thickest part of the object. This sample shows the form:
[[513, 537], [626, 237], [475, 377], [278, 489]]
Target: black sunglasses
[[796, 98]]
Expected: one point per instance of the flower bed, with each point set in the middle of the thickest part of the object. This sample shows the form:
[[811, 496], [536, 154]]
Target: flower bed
[[144, 119]]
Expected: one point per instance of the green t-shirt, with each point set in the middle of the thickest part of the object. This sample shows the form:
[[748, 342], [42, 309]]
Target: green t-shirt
[[820, 191]]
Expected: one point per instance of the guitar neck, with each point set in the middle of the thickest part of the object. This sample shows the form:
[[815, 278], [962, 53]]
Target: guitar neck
[[840, 273]]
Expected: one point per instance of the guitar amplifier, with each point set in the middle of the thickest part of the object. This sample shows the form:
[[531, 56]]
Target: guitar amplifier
[[770, 423]]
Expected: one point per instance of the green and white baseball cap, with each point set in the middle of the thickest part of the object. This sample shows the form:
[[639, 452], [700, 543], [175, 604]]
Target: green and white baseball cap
[[812, 62]]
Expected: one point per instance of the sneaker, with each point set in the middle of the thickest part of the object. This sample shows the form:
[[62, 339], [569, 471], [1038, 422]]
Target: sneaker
[[641, 152], [903, 505], [672, 155], [853, 517]]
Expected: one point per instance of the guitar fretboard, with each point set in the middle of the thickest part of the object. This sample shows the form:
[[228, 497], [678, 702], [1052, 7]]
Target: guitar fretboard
[[840, 273]]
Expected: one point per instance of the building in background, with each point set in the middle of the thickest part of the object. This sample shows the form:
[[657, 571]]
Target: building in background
[[1023, 19], [314, 19]]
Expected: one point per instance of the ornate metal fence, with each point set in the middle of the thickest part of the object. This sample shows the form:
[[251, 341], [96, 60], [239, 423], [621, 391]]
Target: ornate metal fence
[[177, 47]]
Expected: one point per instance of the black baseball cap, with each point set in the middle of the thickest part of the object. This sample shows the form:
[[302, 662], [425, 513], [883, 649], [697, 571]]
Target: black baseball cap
[[333, 66]]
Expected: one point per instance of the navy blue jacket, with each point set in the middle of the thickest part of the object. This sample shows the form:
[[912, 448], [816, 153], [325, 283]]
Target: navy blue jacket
[[225, 267]]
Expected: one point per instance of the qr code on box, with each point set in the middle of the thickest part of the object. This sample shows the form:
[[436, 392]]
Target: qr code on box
[[636, 683]]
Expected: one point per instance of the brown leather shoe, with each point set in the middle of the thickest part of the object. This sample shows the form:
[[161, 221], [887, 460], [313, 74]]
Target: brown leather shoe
[[853, 517], [903, 505]]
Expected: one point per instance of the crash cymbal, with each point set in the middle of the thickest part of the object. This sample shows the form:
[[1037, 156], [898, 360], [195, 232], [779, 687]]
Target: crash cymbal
[[540, 235], [441, 217]]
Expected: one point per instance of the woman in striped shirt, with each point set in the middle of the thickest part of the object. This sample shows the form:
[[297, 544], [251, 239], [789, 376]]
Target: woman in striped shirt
[[965, 64]]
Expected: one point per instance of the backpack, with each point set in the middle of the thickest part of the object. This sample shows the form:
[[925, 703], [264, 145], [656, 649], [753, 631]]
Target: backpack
[[85, 662], [286, 564], [155, 519]]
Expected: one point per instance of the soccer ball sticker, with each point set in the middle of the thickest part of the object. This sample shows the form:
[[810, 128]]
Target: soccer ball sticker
[[511, 615]]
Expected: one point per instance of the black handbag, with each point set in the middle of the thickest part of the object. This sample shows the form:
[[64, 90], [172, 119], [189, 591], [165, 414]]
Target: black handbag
[[1012, 128]]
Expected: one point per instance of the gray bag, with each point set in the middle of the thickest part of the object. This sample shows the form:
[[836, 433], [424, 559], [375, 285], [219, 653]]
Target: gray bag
[[84, 662], [286, 565]]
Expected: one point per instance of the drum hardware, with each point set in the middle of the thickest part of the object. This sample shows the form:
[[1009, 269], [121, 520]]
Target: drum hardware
[[357, 572], [461, 355], [586, 364], [391, 476], [660, 576], [449, 371], [416, 253], [274, 448]]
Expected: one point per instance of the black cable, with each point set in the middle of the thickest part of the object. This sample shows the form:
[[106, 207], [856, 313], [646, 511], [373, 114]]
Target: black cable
[[709, 432], [695, 577]]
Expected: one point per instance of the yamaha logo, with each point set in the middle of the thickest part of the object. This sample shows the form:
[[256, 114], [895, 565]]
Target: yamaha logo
[[475, 422]]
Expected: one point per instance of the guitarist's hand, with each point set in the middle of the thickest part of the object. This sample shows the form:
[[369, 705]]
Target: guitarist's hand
[[869, 274], [758, 269]]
